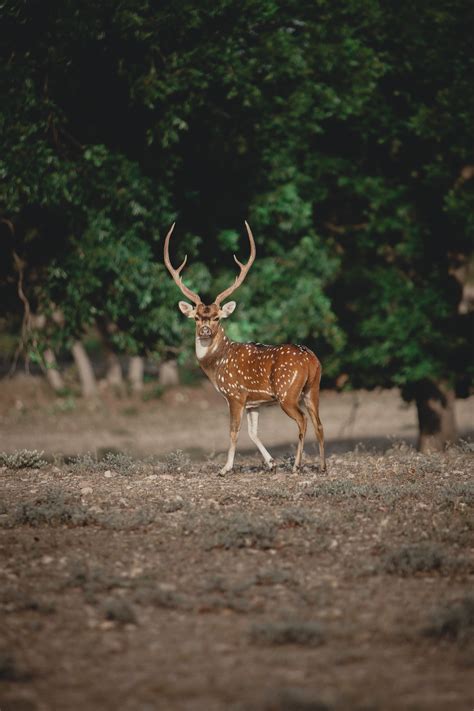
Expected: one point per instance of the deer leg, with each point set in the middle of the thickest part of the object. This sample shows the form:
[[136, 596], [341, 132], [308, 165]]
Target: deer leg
[[318, 429], [236, 410], [294, 411], [311, 400], [252, 422]]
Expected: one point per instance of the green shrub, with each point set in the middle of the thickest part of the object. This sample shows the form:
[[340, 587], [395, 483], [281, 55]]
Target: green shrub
[[241, 531], [119, 610], [423, 558], [23, 459]]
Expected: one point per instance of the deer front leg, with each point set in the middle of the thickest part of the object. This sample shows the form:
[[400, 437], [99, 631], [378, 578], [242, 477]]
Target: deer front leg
[[236, 409]]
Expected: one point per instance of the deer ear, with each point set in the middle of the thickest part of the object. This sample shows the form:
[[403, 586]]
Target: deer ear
[[227, 309], [187, 309]]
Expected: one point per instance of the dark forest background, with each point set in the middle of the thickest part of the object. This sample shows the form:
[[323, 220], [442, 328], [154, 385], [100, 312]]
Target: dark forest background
[[343, 132]]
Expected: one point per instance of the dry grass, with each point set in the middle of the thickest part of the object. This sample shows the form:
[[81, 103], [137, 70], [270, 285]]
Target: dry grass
[[304, 633], [148, 579]]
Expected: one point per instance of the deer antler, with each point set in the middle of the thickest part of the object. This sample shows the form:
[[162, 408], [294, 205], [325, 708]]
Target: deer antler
[[244, 268], [176, 272]]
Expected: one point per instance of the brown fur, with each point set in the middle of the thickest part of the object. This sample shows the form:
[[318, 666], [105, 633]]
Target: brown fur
[[252, 374]]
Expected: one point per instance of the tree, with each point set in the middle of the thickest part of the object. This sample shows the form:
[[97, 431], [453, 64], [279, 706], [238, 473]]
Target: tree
[[409, 201], [83, 216], [342, 131]]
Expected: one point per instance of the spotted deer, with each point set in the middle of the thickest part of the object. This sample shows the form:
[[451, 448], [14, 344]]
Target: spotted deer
[[249, 375]]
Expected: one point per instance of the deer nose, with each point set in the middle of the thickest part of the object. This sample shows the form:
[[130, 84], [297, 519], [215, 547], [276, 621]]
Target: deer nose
[[205, 332]]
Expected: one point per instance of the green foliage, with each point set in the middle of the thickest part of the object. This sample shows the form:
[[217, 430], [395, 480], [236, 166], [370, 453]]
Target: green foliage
[[342, 131], [23, 459]]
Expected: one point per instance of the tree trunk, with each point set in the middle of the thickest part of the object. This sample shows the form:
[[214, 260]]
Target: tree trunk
[[52, 373], [436, 416], [169, 373], [84, 368], [135, 373], [114, 376], [50, 366]]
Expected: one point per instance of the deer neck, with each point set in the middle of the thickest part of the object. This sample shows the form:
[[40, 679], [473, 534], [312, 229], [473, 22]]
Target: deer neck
[[210, 351]]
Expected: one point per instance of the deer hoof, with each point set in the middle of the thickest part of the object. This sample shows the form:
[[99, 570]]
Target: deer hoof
[[223, 471], [271, 464]]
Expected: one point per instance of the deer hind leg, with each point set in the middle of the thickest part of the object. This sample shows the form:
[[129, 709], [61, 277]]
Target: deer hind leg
[[311, 400], [252, 422], [236, 410], [294, 411]]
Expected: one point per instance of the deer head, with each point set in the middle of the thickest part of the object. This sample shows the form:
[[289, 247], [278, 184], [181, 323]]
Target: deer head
[[207, 317]]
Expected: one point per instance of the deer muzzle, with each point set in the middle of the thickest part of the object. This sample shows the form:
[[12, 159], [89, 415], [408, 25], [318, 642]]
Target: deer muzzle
[[205, 332]]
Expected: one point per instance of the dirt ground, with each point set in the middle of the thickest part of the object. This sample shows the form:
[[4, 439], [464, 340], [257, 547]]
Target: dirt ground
[[145, 581], [196, 420]]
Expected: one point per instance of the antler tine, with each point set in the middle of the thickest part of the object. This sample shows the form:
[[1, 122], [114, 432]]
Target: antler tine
[[176, 272], [244, 269], [179, 269]]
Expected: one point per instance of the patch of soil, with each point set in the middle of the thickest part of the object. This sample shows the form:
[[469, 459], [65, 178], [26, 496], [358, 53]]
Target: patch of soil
[[156, 584]]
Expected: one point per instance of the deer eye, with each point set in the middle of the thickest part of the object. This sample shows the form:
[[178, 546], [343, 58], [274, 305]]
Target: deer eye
[[196, 318], [216, 318]]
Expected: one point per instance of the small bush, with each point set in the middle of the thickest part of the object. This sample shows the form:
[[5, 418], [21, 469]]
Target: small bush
[[115, 461], [55, 509], [413, 559], [119, 462], [340, 489], [454, 621], [294, 517], [51, 509], [274, 496], [177, 461], [82, 462], [454, 492], [307, 634], [160, 597], [118, 520], [168, 599], [93, 581], [19, 600], [464, 446], [119, 611], [389, 493], [173, 505], [23, 459], [243, 532]]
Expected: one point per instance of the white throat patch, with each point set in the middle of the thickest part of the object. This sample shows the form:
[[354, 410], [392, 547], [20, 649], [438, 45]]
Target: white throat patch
[[203, 347]]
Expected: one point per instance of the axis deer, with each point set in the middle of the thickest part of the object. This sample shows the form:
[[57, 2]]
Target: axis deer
[[249, 375]]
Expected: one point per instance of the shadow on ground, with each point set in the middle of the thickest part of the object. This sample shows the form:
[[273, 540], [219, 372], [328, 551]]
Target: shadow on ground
[[332, 446]]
